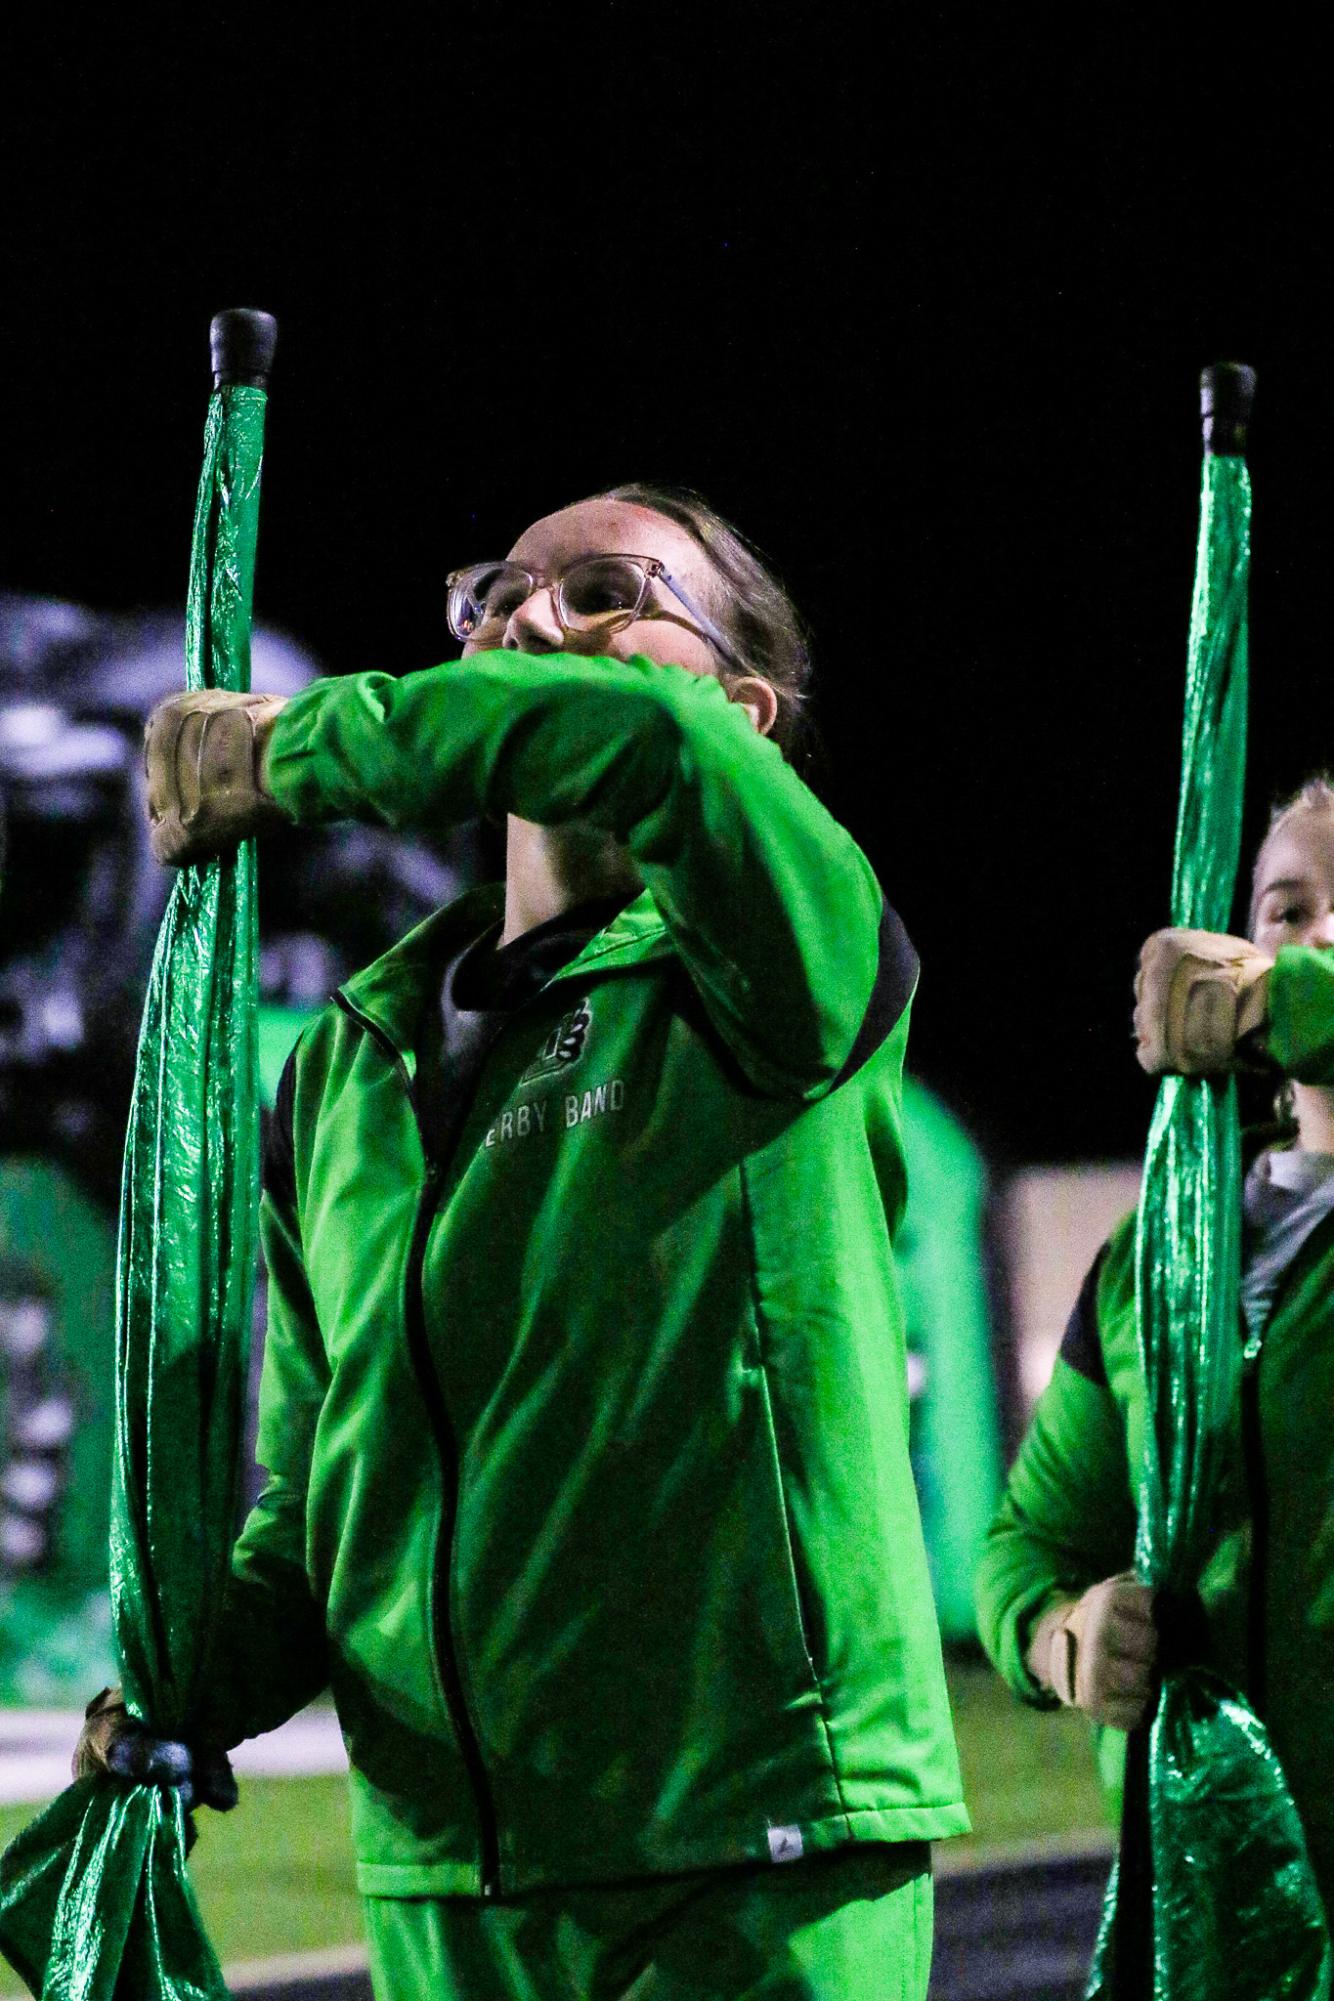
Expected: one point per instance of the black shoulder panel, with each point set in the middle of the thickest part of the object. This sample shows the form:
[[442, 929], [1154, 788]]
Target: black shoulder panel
[[279, 1160], [1081, 1347], [896, 976]]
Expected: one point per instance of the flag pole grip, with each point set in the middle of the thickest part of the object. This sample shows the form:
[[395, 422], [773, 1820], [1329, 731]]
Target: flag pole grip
[[241, 344], [1227, 391]]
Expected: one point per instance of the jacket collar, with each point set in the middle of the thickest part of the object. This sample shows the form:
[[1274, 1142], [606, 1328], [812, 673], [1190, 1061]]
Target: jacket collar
[[634, 935], [393, 990]]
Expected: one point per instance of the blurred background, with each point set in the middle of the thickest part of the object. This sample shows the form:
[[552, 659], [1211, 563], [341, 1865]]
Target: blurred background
[[922, 307]]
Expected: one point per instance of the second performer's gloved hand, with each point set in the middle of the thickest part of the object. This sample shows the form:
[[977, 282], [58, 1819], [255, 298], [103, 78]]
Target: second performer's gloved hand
[[1199, 997], [204, 757], [114, 1745], [1099, 1653]]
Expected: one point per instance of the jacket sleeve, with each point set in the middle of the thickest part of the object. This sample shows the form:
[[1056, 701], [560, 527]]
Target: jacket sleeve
[[269, 1655], [1300, 1035], [801, 966], [1066, 1519]]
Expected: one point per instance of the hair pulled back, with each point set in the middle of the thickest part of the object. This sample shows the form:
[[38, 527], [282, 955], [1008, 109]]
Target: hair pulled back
[[754, 609]]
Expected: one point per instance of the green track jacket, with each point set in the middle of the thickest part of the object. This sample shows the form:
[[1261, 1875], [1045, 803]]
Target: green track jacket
[[1068, 1515], [587, 1446]]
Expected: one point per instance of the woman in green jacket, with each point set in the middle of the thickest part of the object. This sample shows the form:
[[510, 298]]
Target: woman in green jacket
[[584, 1407], [1060, 1612]]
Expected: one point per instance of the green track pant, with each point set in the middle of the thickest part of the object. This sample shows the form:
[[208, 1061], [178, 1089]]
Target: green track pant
[[854, 1925]]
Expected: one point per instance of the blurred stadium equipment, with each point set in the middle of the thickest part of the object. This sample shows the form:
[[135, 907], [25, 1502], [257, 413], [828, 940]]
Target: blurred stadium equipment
[[952, 1304], [81, 897]]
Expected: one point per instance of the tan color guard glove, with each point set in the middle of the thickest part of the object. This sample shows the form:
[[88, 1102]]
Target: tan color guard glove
[[113, 1745], [105, 1716], [204, 756], [1099, 1653], [1198, 996]]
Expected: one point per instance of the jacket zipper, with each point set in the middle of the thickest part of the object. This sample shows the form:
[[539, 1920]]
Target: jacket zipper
[[451, 1676], [1252, 1446]]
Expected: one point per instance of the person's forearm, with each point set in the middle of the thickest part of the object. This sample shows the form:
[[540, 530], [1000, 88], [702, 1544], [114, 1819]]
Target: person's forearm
[[1299, 1034], [773, 908], [269, 1656]]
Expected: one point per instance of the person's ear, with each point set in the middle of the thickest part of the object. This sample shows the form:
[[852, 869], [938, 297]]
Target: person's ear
[[758, 698]]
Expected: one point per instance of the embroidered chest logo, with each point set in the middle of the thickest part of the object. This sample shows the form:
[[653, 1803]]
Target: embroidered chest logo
[[564, 1046]]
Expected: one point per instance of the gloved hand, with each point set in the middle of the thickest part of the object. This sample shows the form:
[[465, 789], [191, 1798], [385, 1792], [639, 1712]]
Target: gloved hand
[[113, 1743], [1198, 996], [1099, 1653], [204, 756]]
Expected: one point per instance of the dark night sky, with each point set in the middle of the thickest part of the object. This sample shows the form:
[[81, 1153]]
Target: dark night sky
[[924, 315]]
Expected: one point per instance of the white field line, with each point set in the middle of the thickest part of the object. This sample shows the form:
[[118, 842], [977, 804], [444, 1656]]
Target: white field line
[[36, 1746], [247, 1975], [250, 1976]]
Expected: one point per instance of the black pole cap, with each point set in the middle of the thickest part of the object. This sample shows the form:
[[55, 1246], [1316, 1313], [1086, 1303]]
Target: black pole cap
[[1227, 391], [241, 343]]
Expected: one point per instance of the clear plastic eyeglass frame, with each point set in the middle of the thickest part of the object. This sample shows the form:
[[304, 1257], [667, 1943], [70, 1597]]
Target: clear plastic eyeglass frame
[[650, 569]]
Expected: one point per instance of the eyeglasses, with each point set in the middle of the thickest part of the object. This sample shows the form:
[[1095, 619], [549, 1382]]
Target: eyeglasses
[[594, 594]]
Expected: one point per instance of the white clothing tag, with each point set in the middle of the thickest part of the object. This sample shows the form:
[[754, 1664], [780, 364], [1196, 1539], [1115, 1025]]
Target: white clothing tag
[[785, 1844]]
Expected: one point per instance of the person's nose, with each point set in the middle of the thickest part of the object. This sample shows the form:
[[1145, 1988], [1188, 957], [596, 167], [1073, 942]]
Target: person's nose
[[1322, 931], [534, 626]]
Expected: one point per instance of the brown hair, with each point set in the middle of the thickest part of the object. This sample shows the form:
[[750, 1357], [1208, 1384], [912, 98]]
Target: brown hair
[[754, 610], [1316, 795]]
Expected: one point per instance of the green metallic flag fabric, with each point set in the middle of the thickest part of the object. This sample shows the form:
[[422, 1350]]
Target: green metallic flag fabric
[[95, 1900], [1236, 1915]]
